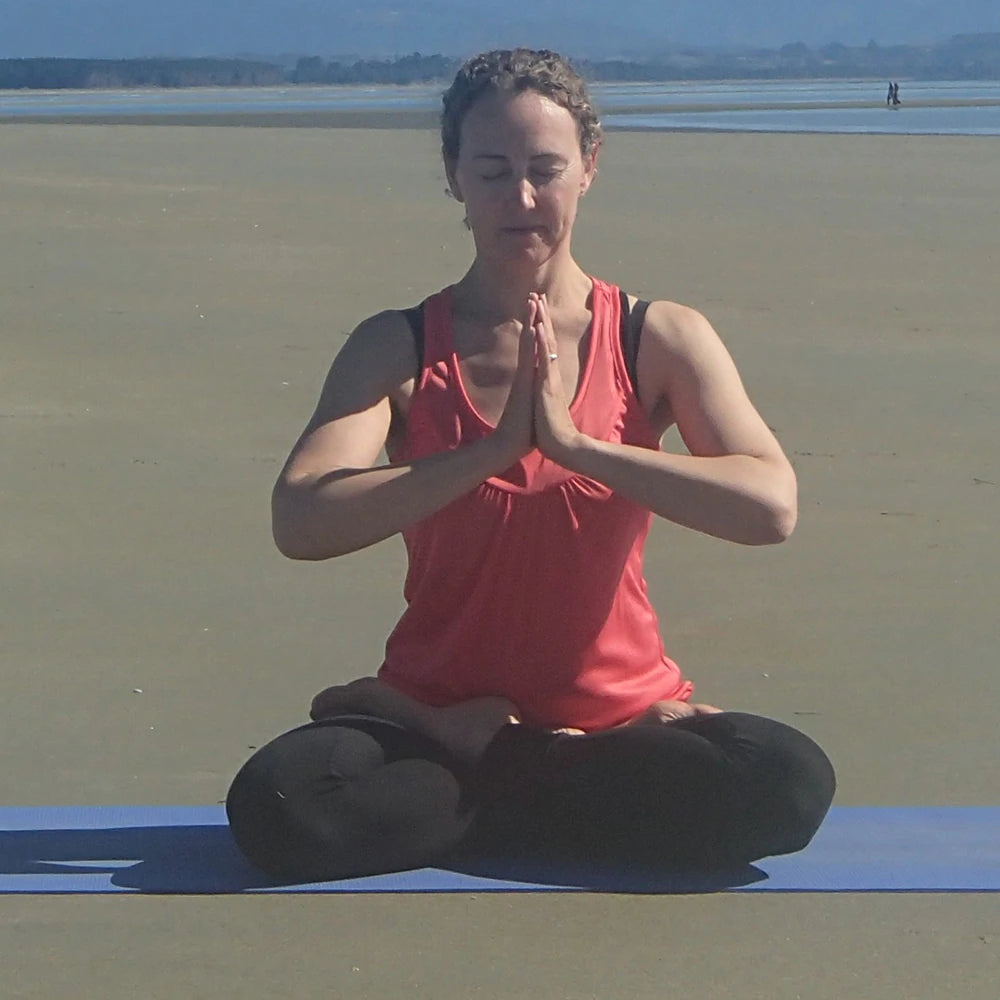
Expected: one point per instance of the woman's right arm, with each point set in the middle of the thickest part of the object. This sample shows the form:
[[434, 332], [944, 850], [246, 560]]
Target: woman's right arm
[[331, 498]]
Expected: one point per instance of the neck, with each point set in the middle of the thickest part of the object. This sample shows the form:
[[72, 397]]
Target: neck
[[497, 295]]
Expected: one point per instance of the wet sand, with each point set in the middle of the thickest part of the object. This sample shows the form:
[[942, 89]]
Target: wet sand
[[171, 299]]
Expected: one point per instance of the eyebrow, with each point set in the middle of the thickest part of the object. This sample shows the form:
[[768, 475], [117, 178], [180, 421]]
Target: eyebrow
[[537, 156]]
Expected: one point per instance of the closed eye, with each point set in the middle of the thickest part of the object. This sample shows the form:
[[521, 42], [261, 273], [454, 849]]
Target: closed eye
[[536, 175]]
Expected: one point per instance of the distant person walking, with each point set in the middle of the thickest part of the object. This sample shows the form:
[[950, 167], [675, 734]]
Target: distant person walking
[[891, 95], [895, 95]]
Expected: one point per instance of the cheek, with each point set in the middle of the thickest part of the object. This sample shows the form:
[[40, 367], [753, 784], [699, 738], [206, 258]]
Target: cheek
[[479, 195], [566, 200]]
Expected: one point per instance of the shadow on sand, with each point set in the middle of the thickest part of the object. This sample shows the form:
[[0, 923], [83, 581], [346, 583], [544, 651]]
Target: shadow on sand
[[204, 859]]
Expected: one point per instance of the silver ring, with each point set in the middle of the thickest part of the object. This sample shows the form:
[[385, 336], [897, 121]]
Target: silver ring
[[553, 357]]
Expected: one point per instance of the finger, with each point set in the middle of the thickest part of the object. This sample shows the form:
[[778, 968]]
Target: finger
[[543, 320], [707, 710], [527, 355], [545, 336], [532, 309], [528, 334]]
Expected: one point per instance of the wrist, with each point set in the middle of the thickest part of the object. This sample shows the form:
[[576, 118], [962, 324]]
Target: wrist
[[571, 450], [501, 452]]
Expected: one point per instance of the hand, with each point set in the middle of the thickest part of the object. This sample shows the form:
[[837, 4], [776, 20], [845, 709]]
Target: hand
[[664, 712], [555, 431], [515, 427]]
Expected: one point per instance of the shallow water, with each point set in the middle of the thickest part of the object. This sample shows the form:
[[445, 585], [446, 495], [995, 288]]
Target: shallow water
[[751, 97], [981, 120]]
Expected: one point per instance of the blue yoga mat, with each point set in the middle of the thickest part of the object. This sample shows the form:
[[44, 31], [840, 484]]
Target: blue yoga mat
[[188, 849]]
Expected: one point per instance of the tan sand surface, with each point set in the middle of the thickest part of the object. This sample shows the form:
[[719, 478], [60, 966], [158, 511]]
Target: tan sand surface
[[169, 301]]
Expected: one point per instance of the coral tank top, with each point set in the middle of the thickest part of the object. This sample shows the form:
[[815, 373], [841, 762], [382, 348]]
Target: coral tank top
[[531, 585]]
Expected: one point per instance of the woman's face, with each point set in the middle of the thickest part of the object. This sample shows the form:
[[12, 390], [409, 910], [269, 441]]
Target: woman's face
[[520, 175]]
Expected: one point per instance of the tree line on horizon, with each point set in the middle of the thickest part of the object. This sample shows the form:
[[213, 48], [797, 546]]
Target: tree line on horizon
[[115, 74], [962, 57]]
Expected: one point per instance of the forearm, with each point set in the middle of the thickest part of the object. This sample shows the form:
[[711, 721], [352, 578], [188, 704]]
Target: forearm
[[739, 498], [349, 509]]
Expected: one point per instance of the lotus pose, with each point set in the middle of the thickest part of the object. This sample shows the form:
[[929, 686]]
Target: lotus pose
[[525, 704]]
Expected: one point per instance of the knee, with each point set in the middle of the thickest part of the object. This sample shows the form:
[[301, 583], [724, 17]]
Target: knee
[[339, 800], [263, 819], [789, 792], [795, 804]]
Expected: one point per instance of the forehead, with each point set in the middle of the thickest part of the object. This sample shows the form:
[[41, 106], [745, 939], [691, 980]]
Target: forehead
[[502, 123]]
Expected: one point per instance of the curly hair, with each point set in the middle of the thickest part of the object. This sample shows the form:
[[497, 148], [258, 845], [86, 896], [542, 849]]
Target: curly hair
[[514, 71]]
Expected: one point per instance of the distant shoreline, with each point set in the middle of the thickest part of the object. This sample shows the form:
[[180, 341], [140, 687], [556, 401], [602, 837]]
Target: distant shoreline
[[396, 118]]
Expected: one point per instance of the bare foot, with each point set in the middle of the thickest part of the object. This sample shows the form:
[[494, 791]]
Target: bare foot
[[468, 728], [360, 696], [662, 712]]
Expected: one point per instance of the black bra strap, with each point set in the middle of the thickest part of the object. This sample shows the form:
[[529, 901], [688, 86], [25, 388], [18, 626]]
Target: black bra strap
[[631, 332], [415, 317]]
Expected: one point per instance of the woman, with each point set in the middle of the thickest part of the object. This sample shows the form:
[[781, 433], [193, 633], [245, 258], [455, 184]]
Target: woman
[[525, 703]]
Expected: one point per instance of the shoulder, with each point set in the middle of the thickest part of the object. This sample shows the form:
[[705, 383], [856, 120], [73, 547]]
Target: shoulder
[[671, 326], [682, 362], [385, 334], [677, 346], [667, 324], [378, 361], [381, 348], [679, 341]]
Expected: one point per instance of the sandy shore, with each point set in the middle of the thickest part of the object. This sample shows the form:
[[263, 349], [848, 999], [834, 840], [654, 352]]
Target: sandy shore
[[171, 299]]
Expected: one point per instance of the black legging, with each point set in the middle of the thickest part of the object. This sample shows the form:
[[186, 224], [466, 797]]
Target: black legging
[[355, 796]]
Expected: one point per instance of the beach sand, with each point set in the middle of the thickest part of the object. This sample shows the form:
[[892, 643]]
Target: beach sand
[[171, 299]]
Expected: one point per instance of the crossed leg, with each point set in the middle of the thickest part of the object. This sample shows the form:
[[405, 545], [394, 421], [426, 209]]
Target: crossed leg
[[345, 797]]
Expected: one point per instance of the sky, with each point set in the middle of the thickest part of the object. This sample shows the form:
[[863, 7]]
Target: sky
[[584, 28]]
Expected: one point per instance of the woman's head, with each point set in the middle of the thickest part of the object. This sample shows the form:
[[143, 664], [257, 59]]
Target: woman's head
[[520, 143], [513, 71]]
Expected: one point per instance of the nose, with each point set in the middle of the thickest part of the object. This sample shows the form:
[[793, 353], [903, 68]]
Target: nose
[[526, 193]]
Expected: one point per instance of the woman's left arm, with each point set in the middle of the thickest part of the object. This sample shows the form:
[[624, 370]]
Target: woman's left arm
[[735, 484]]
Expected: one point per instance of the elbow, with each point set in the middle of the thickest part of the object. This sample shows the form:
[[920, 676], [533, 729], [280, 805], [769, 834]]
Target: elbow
[[783, 515], [290, 542], [779, 513], [292, 545], [783, 521], [772, 529], [290, 526]]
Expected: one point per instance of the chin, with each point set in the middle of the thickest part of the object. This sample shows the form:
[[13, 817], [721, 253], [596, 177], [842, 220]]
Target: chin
[[531, 258]]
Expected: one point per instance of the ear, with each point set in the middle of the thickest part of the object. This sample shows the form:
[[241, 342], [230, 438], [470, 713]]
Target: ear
[[589, 170], [453, 188]]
